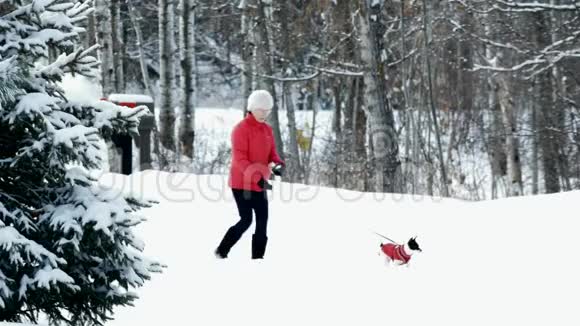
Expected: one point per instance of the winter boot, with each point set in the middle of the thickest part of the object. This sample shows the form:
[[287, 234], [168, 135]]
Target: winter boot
[[229, 240], [219, 254], [258, 246]]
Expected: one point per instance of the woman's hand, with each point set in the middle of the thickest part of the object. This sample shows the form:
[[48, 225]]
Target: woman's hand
[[264, 185], [278, 169]]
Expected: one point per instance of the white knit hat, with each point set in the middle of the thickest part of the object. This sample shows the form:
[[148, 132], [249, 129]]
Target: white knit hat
[[260, 99]]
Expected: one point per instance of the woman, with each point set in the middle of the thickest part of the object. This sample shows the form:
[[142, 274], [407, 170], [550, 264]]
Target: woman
[[253, 151]]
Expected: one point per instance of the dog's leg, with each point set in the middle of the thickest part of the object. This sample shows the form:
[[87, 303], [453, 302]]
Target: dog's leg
[[387, 261]]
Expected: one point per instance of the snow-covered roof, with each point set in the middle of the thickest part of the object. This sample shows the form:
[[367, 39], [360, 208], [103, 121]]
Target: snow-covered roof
[[130, 98]]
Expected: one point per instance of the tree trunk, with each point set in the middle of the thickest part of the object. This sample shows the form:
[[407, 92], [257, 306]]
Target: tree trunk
[[548, 136], [166, 115], [337, 117], [136, 21], [382, 124], [548, 127], [187, 125], [91, 35], [308, 158], [293, 161], [494, 135], [173, 46], [359, 133], [514, 169], [295, 168], [118, 46], [426, 26], [558, 92], [247, 50], [266, 62], [535, 166], [496, 141], [349, 113], [105, 53]]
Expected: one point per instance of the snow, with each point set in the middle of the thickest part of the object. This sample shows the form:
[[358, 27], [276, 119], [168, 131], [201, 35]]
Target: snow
[[75, 134], [50, 35], [535, 6], [58, 18], [45, 278], [40, 5], [130, 98], [4, 290], [106, 111], [80, 89], [509, 261], [11, 240], [24, 252], [34, 103]]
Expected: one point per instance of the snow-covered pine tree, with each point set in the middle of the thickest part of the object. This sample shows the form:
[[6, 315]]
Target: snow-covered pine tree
[[67, 248]]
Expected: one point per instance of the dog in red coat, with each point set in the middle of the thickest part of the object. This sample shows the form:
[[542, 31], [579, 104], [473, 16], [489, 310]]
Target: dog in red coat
[[400, 252]]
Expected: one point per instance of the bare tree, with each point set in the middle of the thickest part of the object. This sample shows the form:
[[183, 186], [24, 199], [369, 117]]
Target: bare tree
[[514, 183], [383, 135], [136, 18], [247, 49], [265, 52], [426, 27], [167, 114], [105, 39], [502, 96], [118, 45], [187, 46], [548, 126], [293, 155]]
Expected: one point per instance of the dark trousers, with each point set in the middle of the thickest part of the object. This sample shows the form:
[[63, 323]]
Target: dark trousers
[[248, 201]]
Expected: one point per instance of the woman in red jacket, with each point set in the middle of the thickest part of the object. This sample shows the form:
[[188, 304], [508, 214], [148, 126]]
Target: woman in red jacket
[[253, 152]]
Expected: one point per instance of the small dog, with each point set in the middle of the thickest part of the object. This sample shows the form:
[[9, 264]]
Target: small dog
[[401, 253]]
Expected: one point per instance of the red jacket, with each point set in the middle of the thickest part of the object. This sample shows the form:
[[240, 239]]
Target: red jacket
[[253, 148], [396, 252]]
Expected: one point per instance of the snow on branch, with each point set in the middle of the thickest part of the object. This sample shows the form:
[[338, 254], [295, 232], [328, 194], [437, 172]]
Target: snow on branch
[[317, 70], [485, 40], [11, 81], [510, 6], [545, 59], [534, 60], [78, 62], [535, 6], [19, 250]]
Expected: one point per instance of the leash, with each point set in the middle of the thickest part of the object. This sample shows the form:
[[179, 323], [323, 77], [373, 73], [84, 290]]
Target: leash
[[385, 237]]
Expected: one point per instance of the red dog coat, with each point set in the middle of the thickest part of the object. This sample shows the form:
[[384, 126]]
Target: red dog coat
[[396, 252]]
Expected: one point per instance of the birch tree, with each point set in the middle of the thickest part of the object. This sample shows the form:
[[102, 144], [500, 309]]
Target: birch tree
[[382, 125], [187, 48], [247, 49], [104, 38], [264, 53], [136, 18], [118, 45], [167, 114]]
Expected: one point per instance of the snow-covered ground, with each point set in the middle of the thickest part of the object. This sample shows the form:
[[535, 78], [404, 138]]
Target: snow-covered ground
[[505, 262]]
